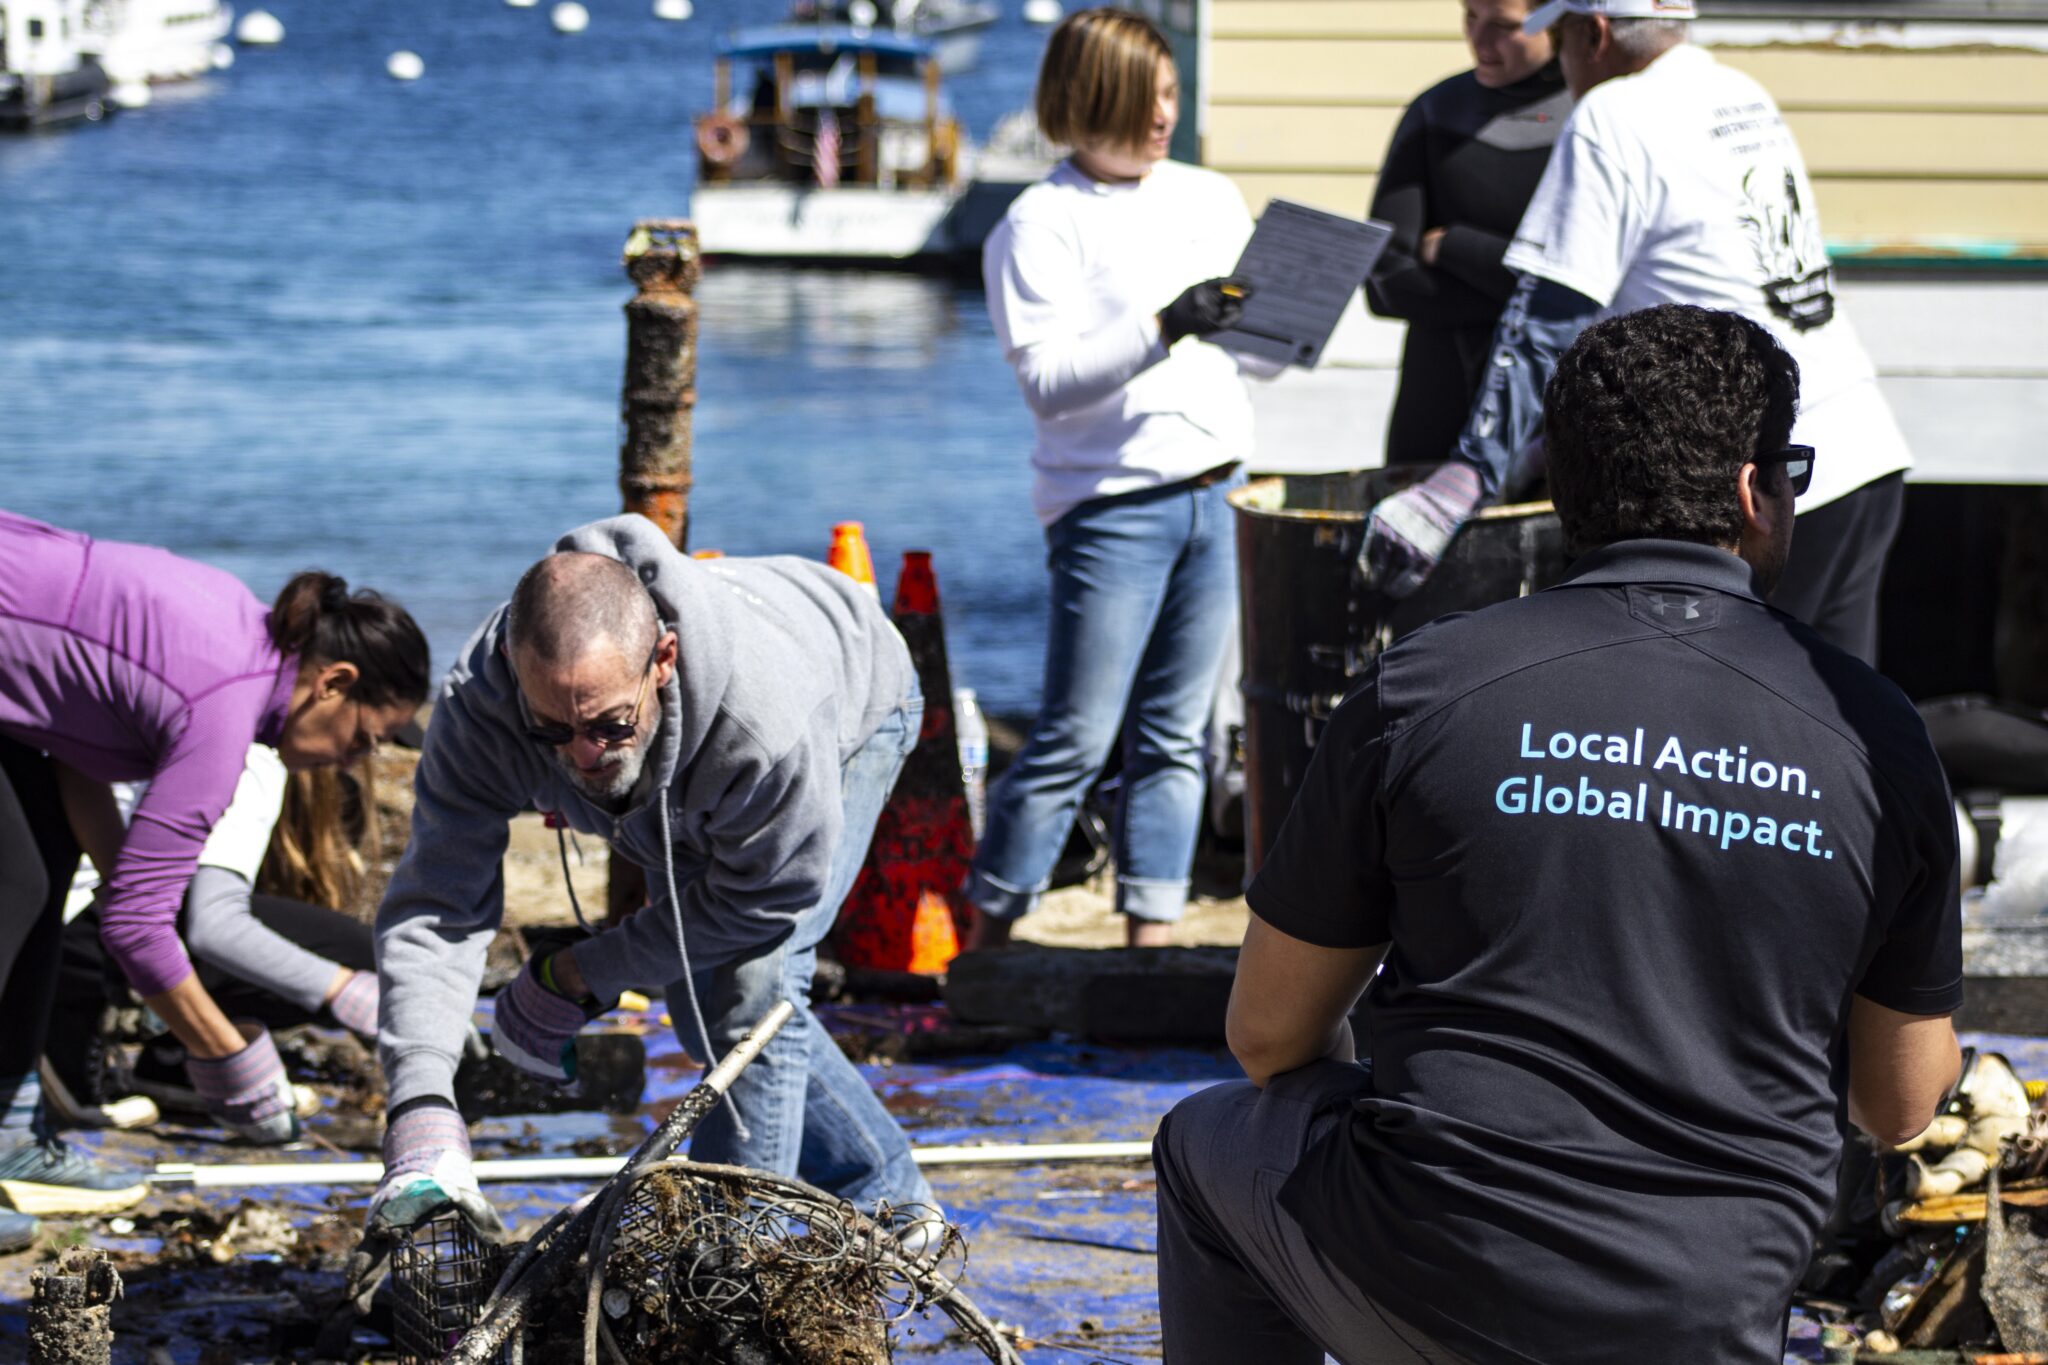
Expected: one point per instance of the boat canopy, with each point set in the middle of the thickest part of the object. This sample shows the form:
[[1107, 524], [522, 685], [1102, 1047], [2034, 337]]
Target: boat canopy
[[828, 39]]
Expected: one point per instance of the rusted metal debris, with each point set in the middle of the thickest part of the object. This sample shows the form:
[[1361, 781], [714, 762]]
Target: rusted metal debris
[[660, 389], [70, 1313]]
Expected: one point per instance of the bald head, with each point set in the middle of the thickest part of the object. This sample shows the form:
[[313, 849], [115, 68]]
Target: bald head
[[571, 603]]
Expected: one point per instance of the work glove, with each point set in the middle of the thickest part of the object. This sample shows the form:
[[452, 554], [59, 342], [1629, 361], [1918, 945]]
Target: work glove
[[1408, 533], [427, 1172], [1204, 310], [248, 1090], [354, 1006], [537, 1025]]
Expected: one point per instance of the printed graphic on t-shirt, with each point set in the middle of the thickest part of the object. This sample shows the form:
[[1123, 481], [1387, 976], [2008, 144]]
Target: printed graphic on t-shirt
[[1799, 282], [1725, 794]]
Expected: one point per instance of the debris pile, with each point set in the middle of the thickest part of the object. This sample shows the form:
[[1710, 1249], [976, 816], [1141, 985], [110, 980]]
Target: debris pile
[[1968, 1261]]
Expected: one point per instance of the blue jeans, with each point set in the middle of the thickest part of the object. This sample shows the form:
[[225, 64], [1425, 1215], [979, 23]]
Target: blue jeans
[[1142, 586], [805, 1109]]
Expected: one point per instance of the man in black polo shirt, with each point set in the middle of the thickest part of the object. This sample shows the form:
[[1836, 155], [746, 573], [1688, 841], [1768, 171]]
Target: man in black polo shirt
[[1665, 888]]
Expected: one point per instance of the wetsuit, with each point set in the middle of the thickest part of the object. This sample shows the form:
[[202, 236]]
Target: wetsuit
[[1465, 158]]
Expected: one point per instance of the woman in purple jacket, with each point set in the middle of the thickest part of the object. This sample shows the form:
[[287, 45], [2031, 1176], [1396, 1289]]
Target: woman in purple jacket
[[124, 662]]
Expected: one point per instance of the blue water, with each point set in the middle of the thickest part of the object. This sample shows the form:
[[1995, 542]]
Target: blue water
[[300, 314]]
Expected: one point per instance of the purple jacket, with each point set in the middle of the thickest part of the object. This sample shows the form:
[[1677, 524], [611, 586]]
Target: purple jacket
[[127, 662]]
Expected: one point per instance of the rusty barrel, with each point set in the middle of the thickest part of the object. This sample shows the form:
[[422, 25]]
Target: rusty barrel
[[1311, 627]]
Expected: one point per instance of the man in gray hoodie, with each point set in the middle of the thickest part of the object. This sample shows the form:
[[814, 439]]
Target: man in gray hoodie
[[733, 725]]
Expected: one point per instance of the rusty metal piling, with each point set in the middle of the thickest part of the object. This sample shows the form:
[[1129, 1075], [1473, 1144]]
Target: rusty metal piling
[[660, 389]]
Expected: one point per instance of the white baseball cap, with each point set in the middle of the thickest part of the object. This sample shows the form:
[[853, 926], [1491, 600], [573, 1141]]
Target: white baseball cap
[[1546, 15]]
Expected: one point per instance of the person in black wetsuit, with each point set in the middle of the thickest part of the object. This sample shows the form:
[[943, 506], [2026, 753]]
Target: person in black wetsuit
[[1465, 158]]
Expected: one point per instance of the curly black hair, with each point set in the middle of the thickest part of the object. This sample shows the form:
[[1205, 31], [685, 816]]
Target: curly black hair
[[1651, 415]]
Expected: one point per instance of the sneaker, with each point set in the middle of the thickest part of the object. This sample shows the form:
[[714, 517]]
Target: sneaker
[[17, 1232], [70, 1111], [48, 1177]]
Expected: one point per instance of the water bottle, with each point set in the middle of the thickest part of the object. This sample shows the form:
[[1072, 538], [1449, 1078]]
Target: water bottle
[[972, 731]]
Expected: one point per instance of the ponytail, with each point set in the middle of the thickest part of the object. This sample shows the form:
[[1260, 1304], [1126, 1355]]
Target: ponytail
[[320, 621]]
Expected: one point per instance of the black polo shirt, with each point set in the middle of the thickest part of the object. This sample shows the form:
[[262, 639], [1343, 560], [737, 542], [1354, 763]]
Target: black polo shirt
[[1635, 841]]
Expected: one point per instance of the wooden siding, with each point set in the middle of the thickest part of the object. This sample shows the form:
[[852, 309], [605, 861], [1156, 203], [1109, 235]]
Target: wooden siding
[[1905, 147]]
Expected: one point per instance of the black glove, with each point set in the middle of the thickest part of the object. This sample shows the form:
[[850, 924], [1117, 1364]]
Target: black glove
[[1204, 309]]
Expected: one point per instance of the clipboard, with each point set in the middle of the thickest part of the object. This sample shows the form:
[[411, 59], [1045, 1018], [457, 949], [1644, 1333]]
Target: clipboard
[[1304, 266]]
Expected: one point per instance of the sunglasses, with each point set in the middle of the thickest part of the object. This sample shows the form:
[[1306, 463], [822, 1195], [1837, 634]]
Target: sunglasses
[[1798, 462], [603, 733]]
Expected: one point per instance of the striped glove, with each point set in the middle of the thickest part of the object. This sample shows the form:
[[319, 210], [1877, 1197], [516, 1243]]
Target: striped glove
[[1409, 532], [537, 1025], [427, 1172], [354, 1006], [248, 1090]]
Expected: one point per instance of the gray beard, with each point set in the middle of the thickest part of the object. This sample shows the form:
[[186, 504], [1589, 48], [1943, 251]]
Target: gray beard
[[612, 784]]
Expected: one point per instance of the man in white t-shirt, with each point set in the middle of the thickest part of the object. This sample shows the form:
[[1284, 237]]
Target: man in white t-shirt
[[1675, 180]]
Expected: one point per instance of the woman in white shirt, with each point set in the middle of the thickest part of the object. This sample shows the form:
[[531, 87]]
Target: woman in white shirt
[[1103, 280]]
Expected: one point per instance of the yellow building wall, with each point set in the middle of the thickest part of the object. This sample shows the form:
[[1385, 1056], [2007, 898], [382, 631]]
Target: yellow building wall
[[1906, 148]]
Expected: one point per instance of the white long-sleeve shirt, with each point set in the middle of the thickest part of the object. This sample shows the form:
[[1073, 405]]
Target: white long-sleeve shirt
[[1076, 275]]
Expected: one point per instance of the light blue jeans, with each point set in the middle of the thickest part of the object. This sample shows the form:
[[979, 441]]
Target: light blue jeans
[[1142, 586], [805, 1109]]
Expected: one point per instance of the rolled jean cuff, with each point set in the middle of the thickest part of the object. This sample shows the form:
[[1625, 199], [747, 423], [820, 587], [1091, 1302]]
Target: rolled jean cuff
[[996, 899], [1156, 902]]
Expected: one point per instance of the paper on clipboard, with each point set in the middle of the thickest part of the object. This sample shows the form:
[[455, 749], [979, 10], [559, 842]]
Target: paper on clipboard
[[1304, 266]]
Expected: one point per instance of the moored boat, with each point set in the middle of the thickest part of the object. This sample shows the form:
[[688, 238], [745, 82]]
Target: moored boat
[[837, 143], [45, 79]]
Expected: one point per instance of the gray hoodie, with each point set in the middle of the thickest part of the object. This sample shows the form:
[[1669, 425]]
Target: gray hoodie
[[786, 668]]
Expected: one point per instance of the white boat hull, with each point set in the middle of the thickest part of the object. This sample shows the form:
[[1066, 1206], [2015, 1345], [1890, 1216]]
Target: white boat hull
[[146, 41], [849, 223]]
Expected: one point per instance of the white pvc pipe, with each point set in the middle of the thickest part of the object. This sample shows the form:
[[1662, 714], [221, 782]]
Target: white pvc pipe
[[542, 1169]]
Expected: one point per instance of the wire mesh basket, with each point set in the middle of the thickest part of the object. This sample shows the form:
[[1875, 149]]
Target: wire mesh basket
[[705, 1263], [441, 1275]]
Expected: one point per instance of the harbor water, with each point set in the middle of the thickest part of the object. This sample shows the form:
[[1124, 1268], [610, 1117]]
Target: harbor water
[[300, 314]]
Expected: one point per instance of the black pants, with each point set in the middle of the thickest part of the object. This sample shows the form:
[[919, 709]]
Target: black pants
[[88, 982], [37, 858], [1831, 581]]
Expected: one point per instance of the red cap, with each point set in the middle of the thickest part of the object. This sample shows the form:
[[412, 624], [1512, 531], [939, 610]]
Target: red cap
[[917, 589]]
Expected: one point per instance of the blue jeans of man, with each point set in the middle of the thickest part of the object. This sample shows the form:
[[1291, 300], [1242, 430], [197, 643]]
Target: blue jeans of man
[[801, 1108], [1142, 586]]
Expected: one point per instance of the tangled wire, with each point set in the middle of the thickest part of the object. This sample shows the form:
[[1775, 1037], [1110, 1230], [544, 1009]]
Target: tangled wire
[[724, 1263]]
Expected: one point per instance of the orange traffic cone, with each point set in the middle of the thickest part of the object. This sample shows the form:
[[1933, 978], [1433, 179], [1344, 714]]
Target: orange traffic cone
[[904, 908], [849, 554]]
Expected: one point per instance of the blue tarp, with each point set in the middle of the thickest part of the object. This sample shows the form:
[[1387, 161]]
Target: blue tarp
[[1064, 1252]]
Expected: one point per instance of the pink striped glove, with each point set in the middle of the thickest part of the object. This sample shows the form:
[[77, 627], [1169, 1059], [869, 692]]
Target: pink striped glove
[[1409, 532], [537, 1025], [248, 1090], [354, 1006]]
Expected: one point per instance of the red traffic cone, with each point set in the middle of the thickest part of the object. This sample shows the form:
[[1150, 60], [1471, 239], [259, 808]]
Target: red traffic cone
[[892, 921]]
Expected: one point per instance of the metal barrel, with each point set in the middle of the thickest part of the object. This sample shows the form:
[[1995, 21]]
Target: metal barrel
[[1311, 628]]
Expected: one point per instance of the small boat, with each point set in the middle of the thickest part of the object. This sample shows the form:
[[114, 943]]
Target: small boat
[[147, 42], [835, 143], [45, 79]]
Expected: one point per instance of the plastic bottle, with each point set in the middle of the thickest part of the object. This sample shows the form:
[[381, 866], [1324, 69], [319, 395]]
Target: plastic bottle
[[972, 731]]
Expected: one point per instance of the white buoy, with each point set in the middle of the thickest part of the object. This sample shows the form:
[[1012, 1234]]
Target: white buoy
[[404, 66], [522, 4], [221, 55], [1042, 12], [259, 28], [861, 13], [675, 11], [130, 95], [569, 17]]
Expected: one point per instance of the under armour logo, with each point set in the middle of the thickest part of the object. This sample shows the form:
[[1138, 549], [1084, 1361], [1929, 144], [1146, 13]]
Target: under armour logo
[[1666, 604]]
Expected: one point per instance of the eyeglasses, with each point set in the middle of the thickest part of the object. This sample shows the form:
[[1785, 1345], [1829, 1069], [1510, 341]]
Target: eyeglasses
[[1798, 462], [603, 733]]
